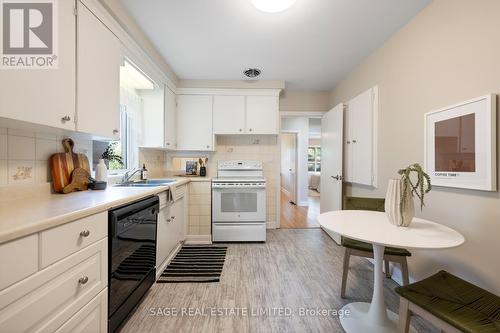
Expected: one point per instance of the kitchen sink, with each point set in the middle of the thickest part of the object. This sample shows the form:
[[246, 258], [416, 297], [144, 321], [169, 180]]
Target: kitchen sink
[[147, 183]]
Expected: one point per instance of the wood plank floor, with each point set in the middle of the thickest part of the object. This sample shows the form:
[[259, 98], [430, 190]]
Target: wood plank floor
[[293, 216], [294, 269]]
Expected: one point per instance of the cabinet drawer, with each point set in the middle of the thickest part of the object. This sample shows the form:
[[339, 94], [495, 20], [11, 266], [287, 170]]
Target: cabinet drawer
[[60, 242], [92, 318], [18, 259], [47, 299]]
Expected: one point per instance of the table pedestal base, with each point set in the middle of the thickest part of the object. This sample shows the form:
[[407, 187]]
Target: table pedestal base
[[358, 320]]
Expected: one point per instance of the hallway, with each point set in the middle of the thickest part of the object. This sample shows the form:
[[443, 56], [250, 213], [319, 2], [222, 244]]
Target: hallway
[[293, 216]]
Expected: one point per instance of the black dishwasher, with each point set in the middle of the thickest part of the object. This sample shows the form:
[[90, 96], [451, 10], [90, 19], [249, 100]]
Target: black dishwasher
[[132, 256]]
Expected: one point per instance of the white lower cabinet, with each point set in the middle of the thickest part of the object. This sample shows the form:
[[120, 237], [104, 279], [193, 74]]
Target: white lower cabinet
[[26, 253], [164, 238], [63, 290], [170, 231], [47, 299], [92, 318]]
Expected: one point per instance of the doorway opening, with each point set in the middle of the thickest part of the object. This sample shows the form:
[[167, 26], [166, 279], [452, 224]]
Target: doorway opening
[[300, 172]]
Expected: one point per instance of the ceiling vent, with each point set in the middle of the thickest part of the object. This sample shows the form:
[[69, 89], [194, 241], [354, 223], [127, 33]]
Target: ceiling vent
[[251, 72]]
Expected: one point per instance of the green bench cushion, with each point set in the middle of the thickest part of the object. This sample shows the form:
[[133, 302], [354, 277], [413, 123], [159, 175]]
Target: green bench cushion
[[357, 203], [457, 302], [362, 246]]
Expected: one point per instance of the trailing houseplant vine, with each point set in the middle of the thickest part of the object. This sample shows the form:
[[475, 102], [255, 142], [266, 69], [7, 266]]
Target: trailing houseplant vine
[[419, 188]]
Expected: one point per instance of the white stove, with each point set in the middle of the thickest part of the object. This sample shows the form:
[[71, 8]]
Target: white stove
[[239, 202]]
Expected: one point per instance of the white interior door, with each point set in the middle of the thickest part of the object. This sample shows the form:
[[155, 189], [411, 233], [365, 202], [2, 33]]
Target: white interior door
[[331, 161], [289, 165]]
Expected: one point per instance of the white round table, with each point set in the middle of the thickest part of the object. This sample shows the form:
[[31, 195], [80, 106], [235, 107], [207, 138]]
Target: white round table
[[375, 228]]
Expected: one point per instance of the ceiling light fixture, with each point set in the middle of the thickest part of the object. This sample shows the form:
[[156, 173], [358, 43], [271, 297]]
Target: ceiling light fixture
[[252, 72], [273, 6]]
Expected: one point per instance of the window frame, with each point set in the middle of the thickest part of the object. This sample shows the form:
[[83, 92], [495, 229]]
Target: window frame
[[317, 153]]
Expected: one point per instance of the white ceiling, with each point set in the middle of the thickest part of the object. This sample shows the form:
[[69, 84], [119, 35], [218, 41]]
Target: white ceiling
[[311, 46]]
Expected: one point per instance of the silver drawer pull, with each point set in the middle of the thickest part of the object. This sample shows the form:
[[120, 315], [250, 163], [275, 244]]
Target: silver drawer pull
[[85, 233], [83, 280], [169, 220], [172, 217]]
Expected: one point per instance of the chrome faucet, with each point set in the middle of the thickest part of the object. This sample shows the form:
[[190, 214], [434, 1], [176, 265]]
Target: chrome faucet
[[129, 174]]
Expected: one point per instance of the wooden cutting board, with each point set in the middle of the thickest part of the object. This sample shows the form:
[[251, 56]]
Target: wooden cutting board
[[63, 164]]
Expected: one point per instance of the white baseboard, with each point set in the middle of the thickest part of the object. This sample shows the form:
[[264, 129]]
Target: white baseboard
[[198, 239], [396, 274], [161, 268], [287, 193], [272, 225]]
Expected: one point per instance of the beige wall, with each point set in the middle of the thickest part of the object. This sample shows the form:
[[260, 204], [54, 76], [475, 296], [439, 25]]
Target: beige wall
[[291, 100], [315, 142], [129, 24], [449, 53]]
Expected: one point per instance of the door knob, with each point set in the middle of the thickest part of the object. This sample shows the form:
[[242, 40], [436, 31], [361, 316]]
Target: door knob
[[338, 177]]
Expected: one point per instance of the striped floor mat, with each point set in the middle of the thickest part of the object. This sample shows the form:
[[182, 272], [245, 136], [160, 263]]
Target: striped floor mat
[[196, 264]]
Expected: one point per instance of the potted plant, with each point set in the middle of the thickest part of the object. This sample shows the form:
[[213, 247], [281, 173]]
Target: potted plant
[[112, 159], [399, 204]]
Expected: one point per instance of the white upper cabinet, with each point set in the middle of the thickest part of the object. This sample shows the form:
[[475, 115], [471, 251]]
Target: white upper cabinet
[[246, 115], [45, 96], [194, 122], [229, 114], [98, 76], [262, 114], [361, 138], [153, 117], [170, 119]]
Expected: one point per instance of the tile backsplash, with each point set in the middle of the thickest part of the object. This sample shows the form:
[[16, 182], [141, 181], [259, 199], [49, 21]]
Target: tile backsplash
[[263, 148], [155, 161], [24, 155]]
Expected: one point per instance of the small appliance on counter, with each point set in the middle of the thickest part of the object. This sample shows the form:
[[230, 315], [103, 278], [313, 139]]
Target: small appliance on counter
[[239, 202]]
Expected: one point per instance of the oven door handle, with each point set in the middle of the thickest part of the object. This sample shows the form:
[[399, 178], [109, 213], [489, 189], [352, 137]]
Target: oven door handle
[[221, 187]]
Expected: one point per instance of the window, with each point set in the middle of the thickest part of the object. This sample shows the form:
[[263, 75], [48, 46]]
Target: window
[[124, 153], [314, 159]]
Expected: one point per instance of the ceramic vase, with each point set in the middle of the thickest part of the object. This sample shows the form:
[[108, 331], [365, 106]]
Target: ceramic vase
[[101, 171], [400, 216]]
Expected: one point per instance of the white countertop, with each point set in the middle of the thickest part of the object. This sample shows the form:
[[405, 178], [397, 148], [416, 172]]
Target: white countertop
[[25, 215], [374, 227]]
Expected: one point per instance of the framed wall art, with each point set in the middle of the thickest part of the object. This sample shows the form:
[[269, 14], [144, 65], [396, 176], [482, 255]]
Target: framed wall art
[[460, 145]]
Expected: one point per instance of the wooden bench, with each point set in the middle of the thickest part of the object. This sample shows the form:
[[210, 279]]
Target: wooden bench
[[451, 304]]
